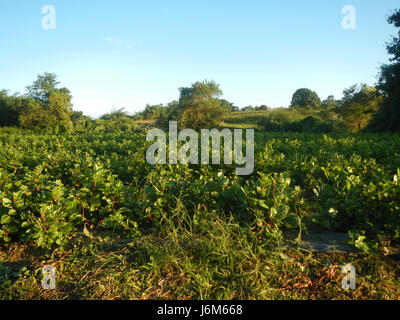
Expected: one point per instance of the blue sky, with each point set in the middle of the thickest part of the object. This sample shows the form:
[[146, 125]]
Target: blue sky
[[128, 53]]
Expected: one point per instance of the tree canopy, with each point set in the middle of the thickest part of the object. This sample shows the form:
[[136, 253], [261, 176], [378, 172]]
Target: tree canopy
[[305, 97], [49, 107], [388, 117], [359, 104], [199, 105]]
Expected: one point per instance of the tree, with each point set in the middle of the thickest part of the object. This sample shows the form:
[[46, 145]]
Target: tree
[[170, 113], [51, 107], [388, 117], [359, 105], [200, 106], [305, 97], [35, 116], [42, 86], [61, 108]]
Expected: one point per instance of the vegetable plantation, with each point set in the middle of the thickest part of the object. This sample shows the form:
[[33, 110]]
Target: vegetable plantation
[[90, 192]]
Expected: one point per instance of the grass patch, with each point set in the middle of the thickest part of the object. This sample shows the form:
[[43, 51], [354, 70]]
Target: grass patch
[[225, 262]]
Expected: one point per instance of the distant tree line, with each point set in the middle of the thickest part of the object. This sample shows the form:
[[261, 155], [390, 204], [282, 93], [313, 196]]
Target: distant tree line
[[307, 113], [46, 106], [362, 108]]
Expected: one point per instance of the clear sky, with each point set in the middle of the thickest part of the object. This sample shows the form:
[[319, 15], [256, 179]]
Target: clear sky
[[126, 53]]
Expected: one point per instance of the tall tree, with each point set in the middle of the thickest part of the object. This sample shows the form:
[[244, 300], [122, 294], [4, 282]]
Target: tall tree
[[52, 108], [200, 106], [388, 117], [42, 86]]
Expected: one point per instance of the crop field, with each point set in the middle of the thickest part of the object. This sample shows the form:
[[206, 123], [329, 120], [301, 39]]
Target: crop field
[[116, 227]]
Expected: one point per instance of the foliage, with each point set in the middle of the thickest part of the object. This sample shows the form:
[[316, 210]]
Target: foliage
[[305, 97], [79, 120], [11, 108], [330, 102], [54, 187], [51, 106], [302, 120], [90, 204], [388, 117], [359, 105], [199, 106]]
